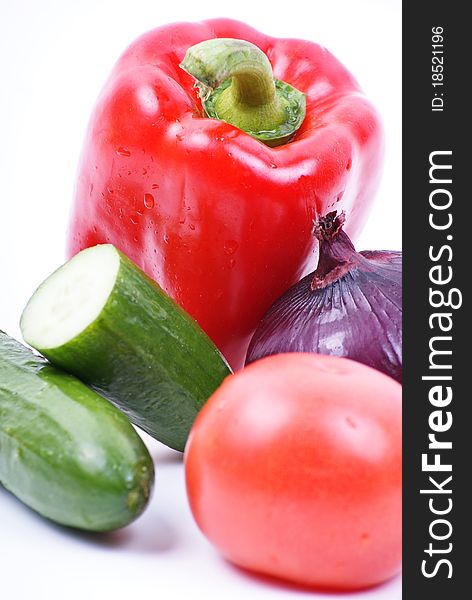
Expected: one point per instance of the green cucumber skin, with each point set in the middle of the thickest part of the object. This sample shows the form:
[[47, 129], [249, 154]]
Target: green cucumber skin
[[146, 355], [65, 451]]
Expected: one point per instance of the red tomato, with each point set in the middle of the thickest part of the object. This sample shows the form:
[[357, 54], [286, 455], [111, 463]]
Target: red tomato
[[293, 469]]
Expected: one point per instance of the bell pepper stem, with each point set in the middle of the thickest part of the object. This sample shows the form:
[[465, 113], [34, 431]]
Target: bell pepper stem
[[237, 86]]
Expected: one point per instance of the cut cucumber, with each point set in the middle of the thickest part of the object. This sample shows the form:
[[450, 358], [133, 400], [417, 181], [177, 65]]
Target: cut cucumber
[[65, 451], [102, 319]]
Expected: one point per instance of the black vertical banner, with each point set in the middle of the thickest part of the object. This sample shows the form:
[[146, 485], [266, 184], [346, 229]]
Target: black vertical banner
[[437, 255]]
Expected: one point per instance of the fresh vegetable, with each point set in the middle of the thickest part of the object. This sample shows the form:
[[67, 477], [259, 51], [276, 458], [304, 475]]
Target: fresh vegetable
[[220, 220], [351, 306], [102, 319], [65, 451], [293, 469]]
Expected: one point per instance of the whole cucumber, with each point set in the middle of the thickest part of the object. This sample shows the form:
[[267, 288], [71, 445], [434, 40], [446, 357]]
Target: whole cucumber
[[65, 451], [101, 318]]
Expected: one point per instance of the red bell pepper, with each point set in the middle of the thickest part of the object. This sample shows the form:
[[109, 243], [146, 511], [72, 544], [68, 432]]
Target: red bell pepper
[[220, 219]]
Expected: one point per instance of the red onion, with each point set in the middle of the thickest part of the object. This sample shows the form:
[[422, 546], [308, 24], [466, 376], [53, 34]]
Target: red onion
[[351, 306]]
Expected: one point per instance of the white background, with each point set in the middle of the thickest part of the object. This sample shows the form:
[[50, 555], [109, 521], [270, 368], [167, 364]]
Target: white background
[[54, 58]]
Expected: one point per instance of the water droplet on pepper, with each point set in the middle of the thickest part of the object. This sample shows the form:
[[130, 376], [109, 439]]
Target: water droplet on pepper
[[149, 201], [123, 152]]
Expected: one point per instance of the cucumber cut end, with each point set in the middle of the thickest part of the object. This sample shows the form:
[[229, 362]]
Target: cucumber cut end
[[70, 299]]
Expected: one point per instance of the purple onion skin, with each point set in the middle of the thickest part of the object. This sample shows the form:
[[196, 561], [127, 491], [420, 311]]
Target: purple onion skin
[[351, 306]]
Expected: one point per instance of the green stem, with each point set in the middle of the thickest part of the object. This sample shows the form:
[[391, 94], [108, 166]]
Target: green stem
[[237, 86]]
